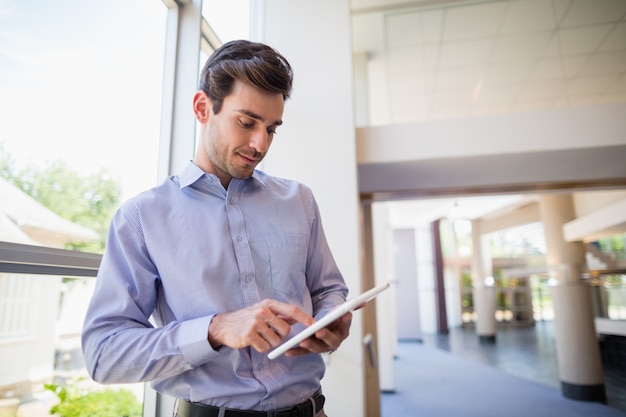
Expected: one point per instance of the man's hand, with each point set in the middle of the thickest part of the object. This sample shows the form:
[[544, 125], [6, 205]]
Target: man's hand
[[262, 326], [327, 339]]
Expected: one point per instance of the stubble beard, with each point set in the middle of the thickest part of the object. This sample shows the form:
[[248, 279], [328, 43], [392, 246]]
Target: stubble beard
[[225, 163]]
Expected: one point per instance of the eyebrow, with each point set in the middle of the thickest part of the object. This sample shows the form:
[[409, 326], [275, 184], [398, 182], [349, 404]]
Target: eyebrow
[[255, 116]]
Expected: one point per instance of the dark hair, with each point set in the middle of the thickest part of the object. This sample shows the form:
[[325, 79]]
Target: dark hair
[[251, 62]]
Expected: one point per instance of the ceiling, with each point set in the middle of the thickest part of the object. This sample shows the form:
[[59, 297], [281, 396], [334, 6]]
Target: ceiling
[[449, 59], [464, 58]]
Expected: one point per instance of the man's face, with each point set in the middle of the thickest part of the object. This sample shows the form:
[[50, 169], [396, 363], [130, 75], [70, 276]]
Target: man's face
[[237, 138]]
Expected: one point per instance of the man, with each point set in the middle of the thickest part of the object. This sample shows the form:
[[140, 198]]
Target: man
[[226, 261]]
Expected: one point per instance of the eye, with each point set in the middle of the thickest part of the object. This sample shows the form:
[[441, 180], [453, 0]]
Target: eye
[[246, 123], [271, 130]]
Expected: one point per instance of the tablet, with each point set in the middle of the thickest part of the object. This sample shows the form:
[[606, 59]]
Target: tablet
[[333, 315]]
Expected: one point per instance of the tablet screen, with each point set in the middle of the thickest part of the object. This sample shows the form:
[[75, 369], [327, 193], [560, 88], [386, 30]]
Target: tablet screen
[[333, 315]]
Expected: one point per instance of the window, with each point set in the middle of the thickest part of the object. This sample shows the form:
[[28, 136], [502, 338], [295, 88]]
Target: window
[[81, 96], [82, 86], [229, 20]]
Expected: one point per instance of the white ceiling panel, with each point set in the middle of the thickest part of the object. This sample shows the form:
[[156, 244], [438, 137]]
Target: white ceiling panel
[[528, 16], [366, 33], [553, 48], [589, 12], [507, 73], [605, 63], [515, 48], [403, 30], [457, 58], [403, 60], [432, 22], [503, 95], [466, 78], [573, 64], [560, 8], [616, 40], [620, 85], [541, 91], [407, 84], [611, 97], [473, 21], [465, 54], [462, 97], [430, 57], [591, 85], [547, 69], [583, 40]]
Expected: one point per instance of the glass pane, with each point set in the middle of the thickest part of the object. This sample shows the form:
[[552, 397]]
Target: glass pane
[[229, 20], [81, 105]]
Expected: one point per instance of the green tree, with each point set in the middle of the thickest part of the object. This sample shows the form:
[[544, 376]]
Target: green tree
[[86, 199]]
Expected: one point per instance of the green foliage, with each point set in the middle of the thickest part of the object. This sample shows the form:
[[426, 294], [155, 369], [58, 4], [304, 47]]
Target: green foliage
[[614, 244], [104, 403], [86, 199]]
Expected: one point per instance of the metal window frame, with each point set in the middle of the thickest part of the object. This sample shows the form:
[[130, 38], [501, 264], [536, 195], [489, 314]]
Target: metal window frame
[[188, 33], [28, 259]]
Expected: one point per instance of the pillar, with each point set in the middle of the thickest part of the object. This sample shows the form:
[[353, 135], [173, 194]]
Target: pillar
[[578, 352], [293, 28], [483, 283]]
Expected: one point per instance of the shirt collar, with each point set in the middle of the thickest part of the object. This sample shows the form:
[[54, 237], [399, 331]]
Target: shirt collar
[[192, 173]]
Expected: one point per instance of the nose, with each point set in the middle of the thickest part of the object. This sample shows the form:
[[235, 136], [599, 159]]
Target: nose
[[260, 141]]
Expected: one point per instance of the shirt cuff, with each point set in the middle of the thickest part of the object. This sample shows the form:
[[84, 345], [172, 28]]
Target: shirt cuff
[[193, 340]]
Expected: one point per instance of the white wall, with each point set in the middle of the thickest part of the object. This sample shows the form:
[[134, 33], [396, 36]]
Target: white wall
[[575, 128], [427, 298], [406, 277], [316, 145], [386, 302], [588, 202]]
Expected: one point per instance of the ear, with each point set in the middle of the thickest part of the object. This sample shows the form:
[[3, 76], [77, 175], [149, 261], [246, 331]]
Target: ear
[[202, 106]]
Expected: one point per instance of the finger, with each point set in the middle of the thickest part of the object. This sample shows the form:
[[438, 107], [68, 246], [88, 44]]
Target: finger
[[299, 351], [258, 342], [270, 338], [316, 345], [342, 326], [274, 329], [266, 336], [290, 312], [287, 319], [360, 306]]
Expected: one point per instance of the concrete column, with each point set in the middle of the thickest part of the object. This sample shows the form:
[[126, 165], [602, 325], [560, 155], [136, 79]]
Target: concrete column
[[578, 352], [316, 53], [484, 290], [426, 287], [440, 287]]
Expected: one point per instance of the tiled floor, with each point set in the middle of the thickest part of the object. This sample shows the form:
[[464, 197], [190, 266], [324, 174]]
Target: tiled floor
[[530, 352]]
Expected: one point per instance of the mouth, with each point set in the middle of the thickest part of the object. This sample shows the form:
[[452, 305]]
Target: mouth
[[250, 160]]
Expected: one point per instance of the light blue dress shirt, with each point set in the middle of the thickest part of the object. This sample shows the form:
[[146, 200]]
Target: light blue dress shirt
[[186, 250]]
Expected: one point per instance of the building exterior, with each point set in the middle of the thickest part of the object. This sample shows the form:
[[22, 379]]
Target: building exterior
[[30, 304]]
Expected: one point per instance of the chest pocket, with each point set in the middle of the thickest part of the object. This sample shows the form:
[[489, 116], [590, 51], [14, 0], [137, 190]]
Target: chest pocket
[[287, 263]]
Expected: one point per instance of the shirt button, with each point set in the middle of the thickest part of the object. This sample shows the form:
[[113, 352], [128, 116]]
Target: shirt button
[[248, 279], [259, 367], [239, 238]]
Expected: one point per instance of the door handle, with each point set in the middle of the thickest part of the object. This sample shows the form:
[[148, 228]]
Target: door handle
[[368, 342]]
